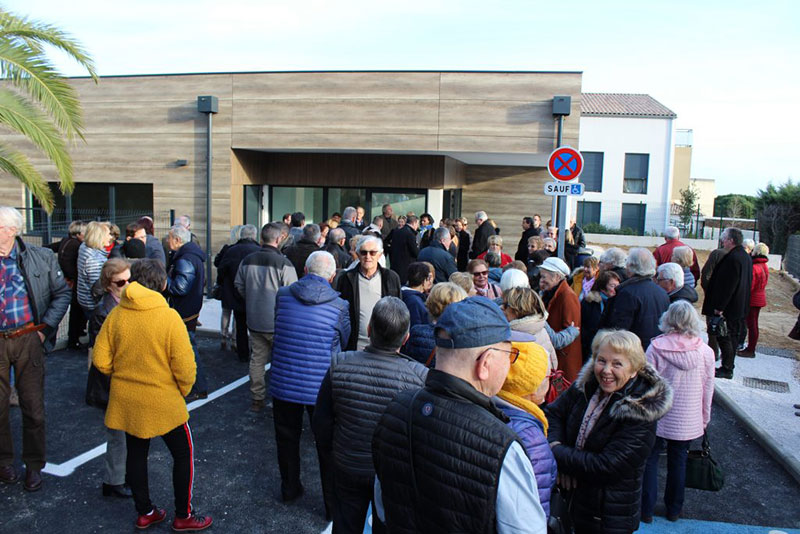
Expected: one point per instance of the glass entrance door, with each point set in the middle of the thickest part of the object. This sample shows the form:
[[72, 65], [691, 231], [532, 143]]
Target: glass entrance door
[[402, 202]]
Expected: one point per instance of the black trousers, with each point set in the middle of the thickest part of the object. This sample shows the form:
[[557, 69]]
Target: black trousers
[[242, 341], [288, 418], [729, 343], [179, 443], [77, 321], [353, 496]]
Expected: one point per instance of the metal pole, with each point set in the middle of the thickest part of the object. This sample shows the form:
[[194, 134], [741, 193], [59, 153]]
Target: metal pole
[[559, 139], [209, 159], [561, 203]]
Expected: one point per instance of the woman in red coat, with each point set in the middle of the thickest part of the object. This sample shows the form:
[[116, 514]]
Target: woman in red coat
[[563, 310], [758, 298]]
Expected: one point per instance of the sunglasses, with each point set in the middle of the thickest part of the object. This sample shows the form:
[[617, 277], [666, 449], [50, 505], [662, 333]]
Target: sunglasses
[[513, 354], [480, 273], [369, 252], [120, 283]]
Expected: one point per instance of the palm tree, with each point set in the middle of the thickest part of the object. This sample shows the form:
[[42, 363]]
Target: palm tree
[[37, 102]]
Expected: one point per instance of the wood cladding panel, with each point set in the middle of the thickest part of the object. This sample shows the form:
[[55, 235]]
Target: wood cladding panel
[[144, 89], [336, 85], [157, 117], [519, 86], [300, 141]]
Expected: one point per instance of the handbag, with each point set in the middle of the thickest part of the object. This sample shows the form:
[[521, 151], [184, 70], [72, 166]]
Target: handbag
[[97, 387], [558, 385], [702, 471], [560, 521]]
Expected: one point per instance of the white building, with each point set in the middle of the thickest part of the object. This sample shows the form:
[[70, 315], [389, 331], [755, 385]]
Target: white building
[[626, 141]]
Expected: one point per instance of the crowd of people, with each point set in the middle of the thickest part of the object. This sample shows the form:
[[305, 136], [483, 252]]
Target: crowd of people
[[451, 386]]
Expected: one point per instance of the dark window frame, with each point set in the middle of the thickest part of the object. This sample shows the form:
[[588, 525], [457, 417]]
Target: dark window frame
[[631, 173], [595, 185]]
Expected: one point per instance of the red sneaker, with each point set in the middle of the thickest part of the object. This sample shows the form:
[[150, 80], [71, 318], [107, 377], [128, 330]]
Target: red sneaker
[[192, 523], [156, 516]]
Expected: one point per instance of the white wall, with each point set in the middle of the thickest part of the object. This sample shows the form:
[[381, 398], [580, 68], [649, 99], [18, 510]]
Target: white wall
[[616, 136]]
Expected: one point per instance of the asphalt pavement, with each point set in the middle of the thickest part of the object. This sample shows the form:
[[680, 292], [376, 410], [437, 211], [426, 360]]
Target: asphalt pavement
[[237, 480]]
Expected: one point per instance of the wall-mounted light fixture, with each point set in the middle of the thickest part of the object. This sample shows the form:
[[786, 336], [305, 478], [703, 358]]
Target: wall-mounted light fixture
[[181, 162]]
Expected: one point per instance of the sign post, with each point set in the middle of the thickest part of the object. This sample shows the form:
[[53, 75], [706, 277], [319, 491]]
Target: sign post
[[565, 165]]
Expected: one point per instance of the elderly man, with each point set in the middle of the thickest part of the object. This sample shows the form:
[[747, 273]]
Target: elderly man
[[361, 221], [312, 324], [185, 284], [375, 228], [728, 296], [437, 255], [186, 222], [33, 299], [614, 259], [389, 221], [351, 400], [303, 247], [528, 231], [363, 286], [432, 443], [403, 247], [672, 239], [260, 276], [336, 247], [670, 277], [348, 224], [639, 302], [705, 277], [483, 229]]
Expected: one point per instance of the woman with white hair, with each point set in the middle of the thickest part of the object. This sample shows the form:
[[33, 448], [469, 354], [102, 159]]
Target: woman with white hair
[[687, 364], [758, 297], [684, 256]]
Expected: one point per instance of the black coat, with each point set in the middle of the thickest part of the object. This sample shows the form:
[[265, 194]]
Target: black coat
[[462, 257], [443, 263], [346, 283], [609, 467], [226, 273], [637, 307], [299, 253], [480, 241], [403, 251], [729, 286], [590, 321], [522, 246], [340, 255]]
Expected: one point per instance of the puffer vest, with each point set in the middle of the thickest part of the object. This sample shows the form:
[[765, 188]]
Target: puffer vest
[[446, 479], [362, 384]]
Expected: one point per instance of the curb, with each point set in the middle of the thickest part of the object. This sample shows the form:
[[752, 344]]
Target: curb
[[767, 442]]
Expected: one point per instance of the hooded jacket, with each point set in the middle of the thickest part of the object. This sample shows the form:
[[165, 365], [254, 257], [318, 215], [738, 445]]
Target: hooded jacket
[[145, 347], [687, 363], [312, 324], [610, 466], [687, 293]]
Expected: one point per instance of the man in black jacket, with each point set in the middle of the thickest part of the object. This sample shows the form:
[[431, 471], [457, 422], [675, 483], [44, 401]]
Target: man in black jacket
[[348, 224], [403, 250], [670, 277], [480, 241], [336, 247], [68, 260], [437, 255], [35, 299], [728, 296], [302, 248], [528, 231]]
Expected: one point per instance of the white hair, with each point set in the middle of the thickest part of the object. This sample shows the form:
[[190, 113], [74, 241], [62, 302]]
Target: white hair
[[12, 218], [641, 262], [514, 278], [184, 220], [321, 263], [364, 239], [481, 216], [614, 256], [672, 271], [682, 318], [248, 231], [672, 232], [441, 234], [749, 244], [181, 233], [349, 214]]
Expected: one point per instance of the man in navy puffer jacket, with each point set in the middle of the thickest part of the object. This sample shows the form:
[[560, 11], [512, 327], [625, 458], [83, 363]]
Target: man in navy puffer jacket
[[312, 323]]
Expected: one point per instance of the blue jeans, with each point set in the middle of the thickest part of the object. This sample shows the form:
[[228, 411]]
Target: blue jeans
[[677, 452], [200, 381]]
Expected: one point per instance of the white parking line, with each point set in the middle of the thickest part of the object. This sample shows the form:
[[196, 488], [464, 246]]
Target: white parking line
[[68, 467]]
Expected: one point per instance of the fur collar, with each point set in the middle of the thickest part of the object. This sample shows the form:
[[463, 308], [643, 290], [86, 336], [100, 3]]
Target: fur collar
[[593, 296], [648, 397]]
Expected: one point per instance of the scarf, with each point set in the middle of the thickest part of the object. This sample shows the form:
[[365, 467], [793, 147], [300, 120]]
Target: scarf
[[593, 411], [524, 377]]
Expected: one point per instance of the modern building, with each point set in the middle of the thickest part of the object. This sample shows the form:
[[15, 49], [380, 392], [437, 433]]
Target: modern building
[[626, 141], [448, 143]]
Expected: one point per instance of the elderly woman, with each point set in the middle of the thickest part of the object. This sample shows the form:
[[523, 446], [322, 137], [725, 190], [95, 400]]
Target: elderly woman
[[144, 346], [92, 254], [758, 297], [516, 400], [464, 281], [687, 364], [421, 343], [496, 245], [420, 281], [684, 256], [479, 270], [583, 277], [564, 310], [227, 326], [614, 259], [602, 430], [592, 307]]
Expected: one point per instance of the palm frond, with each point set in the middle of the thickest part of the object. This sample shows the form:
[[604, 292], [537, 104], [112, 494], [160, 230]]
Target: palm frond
[[21, 116], [34, 75], [35, 33], [17, 165]]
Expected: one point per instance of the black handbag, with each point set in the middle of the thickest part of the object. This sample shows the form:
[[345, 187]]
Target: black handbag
[[97, 387], [560, 521], [702, 471]]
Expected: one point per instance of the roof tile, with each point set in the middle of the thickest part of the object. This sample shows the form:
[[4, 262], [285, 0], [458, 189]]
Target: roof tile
[[623, 105]]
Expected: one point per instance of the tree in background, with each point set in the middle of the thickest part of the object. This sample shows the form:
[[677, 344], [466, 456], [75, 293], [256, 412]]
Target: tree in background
[[37, 102], [688, 206], [778, 214], [743, 205]]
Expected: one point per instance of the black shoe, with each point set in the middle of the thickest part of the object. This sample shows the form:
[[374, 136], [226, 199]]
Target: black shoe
[[290, 496], [193, 396], [33, 480], [647, 519], [8, 474], [722, 373], [673, 517], [123, 491]]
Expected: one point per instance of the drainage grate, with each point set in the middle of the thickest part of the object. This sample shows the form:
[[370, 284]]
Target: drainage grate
[[769, 385]]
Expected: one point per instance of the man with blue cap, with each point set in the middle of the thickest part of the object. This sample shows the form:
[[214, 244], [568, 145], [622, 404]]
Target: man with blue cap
[[444, 457]]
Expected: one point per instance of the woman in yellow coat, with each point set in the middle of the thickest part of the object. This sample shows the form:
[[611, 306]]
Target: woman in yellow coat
[[145, 347]]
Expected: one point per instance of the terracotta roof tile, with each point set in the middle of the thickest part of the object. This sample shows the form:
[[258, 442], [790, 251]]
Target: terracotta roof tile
[[623, 105]]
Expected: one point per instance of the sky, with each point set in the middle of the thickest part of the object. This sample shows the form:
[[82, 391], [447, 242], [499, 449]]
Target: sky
[[729, 70]]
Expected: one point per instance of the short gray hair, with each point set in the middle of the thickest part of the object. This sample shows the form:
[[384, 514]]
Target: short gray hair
[[734, 234], [248, 231], [614, 256], [441, 234], [481, 215], [236, 233], [321, 263], [336, 235], [389, 324], [311, 232], [672, 271], [493, 259], [184, 220], [749, 244], [682, 256], [364, 239], [181, 233], [349, 213], [12, 218], [641, 262], [514, 278], [672, 232], [681, 318]]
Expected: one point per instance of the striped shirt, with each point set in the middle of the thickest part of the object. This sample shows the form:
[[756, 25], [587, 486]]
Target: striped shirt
[[15, 308]]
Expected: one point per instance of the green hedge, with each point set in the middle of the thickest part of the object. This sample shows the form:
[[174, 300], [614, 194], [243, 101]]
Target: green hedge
[[597, 228]]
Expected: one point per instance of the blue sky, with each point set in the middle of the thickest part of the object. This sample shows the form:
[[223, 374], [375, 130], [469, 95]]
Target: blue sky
[[728, 69]]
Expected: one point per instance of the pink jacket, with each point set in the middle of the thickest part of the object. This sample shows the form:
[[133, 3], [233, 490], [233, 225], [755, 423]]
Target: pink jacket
[[688, 365]]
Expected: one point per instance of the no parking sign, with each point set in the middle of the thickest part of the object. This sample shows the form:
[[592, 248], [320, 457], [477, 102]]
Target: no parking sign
[[565, 164]]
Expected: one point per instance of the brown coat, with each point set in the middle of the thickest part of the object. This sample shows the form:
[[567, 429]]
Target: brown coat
[[563, 309]]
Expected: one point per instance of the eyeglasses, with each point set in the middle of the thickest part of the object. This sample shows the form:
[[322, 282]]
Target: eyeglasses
[[369, 252], [513, 354], [120, 283], [480, 273]]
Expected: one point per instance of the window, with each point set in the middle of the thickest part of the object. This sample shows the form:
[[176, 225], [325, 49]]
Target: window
[[293, 199], [252, 205], [636, 166], [588, 212], [633, 217], [592, 175]]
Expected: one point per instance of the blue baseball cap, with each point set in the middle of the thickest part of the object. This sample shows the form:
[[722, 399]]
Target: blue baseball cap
[[474, 322]]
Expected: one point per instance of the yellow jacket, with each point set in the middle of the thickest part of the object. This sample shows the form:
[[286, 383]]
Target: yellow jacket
[[145, 347]]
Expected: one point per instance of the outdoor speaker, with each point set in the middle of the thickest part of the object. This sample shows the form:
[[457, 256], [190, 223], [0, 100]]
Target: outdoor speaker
[[209, 104], [561, 105]]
